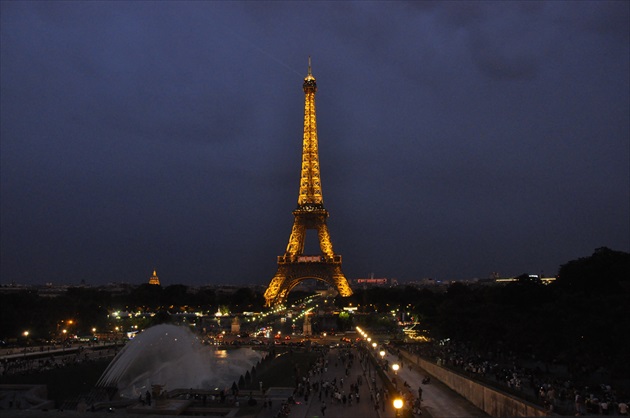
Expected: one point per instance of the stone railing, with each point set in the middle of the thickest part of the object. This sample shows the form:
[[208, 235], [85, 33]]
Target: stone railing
[[490, 400]]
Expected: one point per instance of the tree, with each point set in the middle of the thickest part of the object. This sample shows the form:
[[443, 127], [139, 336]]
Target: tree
[[344, 321], [176, 296], [604, 272], [145, 296]]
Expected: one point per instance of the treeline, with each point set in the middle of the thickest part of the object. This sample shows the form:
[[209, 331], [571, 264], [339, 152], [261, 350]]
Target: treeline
[[582, 319], [88, 308]]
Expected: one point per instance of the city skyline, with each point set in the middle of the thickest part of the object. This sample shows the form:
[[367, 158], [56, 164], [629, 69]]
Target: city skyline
[[457, 139]]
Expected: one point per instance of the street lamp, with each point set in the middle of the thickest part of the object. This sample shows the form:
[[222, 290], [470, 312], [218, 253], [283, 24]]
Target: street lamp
[[398, 403], [395, 366], [374, 346], [382, 354]]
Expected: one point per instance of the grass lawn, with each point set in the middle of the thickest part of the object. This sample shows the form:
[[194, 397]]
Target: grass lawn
[[64, 383], [283, 370]]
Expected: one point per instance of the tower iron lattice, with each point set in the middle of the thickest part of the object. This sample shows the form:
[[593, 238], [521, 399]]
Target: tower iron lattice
[[294, 266]]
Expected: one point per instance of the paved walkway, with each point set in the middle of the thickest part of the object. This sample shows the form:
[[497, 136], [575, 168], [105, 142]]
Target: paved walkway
[[312, 407], [438, 399], [334, 408]]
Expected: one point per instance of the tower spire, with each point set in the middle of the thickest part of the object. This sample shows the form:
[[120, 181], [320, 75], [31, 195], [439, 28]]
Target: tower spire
[[310, 181]]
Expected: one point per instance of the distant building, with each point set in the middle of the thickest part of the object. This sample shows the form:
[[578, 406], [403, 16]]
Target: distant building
[[525, 278], [154, 279], [371, 281]]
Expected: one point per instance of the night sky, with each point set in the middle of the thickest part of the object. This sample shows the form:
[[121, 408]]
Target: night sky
[[456, 139]]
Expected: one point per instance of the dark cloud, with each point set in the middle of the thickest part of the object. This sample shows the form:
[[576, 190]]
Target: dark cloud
[[456, 138]]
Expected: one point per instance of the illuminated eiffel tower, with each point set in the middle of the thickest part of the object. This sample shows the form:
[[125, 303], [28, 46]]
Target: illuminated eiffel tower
[[294, 266]]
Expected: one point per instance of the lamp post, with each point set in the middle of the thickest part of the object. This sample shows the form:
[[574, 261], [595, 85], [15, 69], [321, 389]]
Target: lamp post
[[398, 404], [395, 366]]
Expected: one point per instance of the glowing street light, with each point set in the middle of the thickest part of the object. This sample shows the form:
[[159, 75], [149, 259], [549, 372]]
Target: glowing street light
[[25, 333], [382, 354], [374, 345], [395, 366], [398, 403]]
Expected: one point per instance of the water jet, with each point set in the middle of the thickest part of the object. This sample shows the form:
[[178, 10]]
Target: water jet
[[173, 356]]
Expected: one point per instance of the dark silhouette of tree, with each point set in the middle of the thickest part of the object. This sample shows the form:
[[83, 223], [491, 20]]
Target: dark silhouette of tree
[[604, 272], [146, 295], [205, 300], [175, 297], [19, 312], [246, 299], [161, 317], [88, 307]]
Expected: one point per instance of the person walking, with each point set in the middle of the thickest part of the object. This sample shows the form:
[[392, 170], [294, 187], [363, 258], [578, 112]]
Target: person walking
[[323, 409]]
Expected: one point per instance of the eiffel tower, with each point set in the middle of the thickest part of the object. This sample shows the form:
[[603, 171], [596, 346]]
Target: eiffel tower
[[294, 266]]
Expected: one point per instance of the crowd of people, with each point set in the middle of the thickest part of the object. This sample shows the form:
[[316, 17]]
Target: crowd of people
[[548, 385], [331, 381]]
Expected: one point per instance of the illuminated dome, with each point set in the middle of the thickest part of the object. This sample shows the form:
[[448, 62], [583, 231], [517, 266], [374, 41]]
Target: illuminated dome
[[154, 279]]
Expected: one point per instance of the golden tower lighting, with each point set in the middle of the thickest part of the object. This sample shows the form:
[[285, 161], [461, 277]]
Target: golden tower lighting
[[295, 266]]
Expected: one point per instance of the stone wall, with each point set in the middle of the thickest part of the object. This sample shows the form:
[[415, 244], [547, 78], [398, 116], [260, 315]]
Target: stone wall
[[492, 401]]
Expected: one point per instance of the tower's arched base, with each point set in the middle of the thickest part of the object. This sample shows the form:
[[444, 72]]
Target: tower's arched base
[[290, 274]]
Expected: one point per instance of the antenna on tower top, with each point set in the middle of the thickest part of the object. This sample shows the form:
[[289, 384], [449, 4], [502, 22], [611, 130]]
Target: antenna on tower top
[[309, 65]]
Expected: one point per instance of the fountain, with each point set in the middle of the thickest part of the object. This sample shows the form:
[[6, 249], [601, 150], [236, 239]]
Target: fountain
[[173, 356]]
